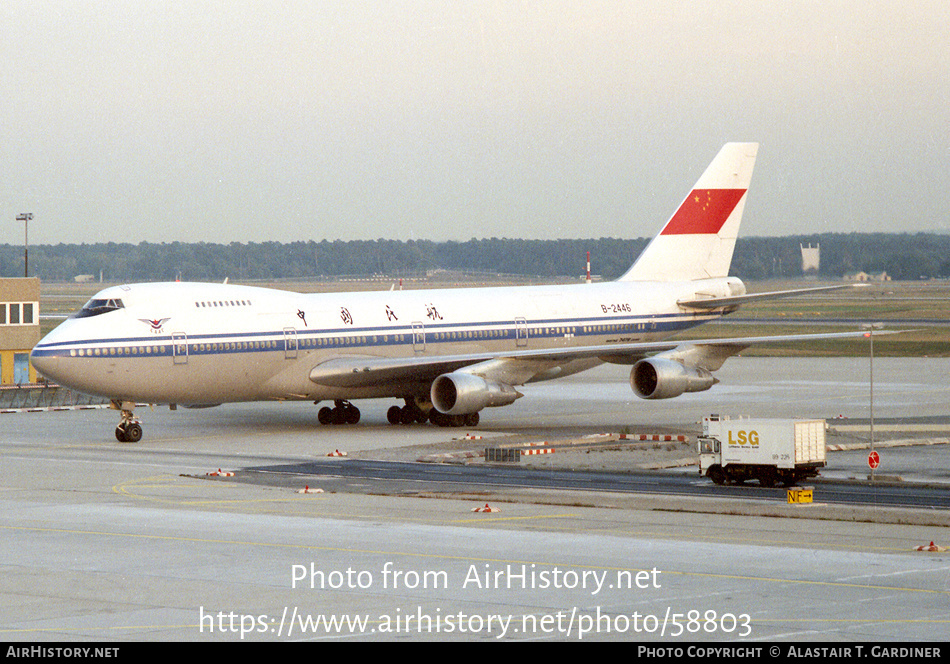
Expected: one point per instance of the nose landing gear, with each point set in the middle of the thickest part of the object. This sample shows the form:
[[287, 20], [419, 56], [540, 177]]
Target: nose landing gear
[[129, 430]]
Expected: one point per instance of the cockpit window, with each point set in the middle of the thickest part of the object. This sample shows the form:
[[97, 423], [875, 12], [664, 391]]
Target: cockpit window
[[97, 307]]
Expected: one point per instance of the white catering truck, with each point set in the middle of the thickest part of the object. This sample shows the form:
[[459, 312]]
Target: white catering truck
[[738, 449]]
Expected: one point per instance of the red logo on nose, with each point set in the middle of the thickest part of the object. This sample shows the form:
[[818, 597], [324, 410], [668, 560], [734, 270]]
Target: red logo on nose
[[156, 324]]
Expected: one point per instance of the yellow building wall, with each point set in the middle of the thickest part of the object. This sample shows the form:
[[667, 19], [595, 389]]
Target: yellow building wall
[[7, 366]]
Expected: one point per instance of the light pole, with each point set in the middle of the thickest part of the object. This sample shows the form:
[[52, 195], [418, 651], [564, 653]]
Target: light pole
[[870, 327], [25, 218]]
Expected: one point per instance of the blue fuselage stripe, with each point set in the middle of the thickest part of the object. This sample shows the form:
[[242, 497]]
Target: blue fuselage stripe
[[335, 338]]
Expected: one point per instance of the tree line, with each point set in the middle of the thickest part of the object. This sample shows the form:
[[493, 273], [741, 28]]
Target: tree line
[[903, 256]]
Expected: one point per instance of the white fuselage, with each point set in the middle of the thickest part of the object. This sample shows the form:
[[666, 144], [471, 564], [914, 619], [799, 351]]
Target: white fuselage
[[199, 344]]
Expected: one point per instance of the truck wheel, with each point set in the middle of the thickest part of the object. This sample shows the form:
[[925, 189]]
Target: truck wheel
[[767, 479], [716, 475]]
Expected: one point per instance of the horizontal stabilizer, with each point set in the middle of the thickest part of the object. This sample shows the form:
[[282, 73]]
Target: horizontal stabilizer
[[717, 302]]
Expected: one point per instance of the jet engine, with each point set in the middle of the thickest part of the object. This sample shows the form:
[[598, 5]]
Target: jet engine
[[658, 378], [460, 393]]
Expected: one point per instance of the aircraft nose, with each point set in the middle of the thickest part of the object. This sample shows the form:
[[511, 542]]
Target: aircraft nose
[[51, 359], [43, 362]]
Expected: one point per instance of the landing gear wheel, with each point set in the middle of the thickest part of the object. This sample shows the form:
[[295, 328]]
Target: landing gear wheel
[[406, 416], [133, 432], [394, 415], [128, 432], [351, 414]]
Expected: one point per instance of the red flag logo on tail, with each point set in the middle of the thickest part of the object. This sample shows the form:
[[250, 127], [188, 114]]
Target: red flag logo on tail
[[704, 212]]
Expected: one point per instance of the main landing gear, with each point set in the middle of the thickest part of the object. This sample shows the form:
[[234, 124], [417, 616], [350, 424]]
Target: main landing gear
[[413, 413], [443, 420], [129, 430], [343, 412]]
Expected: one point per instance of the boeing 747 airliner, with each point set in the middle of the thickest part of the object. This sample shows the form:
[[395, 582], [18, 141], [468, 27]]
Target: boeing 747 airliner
[[447, 353]]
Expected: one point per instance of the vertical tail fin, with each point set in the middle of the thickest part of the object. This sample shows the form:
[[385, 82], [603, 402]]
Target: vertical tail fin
[[698, 240]]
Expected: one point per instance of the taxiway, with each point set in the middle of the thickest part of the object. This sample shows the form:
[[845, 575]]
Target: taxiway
[[109, 542]]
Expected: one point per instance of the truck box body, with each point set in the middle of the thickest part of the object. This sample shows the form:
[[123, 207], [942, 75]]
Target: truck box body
[[770, 449]]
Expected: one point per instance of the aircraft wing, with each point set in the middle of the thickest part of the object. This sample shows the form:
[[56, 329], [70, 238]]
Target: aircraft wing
[[520, 366], [716, 302]]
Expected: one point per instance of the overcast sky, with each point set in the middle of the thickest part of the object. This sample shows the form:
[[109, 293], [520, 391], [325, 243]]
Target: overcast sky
[[259, 120]]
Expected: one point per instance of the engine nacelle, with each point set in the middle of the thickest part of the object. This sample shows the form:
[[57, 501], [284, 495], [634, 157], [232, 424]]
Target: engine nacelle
[[461, 393], [657, 378]]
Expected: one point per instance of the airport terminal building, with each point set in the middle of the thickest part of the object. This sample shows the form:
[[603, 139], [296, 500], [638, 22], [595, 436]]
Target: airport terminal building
[[19, 329]]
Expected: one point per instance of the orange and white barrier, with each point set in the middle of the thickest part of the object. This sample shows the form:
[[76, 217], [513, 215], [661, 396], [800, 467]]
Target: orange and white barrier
[[221, 473], [666, 438]]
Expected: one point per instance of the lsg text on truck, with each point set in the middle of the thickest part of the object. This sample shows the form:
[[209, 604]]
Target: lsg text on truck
[[733, 450]]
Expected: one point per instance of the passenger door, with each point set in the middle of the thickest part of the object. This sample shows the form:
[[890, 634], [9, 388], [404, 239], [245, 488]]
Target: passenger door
[[179, 348]]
